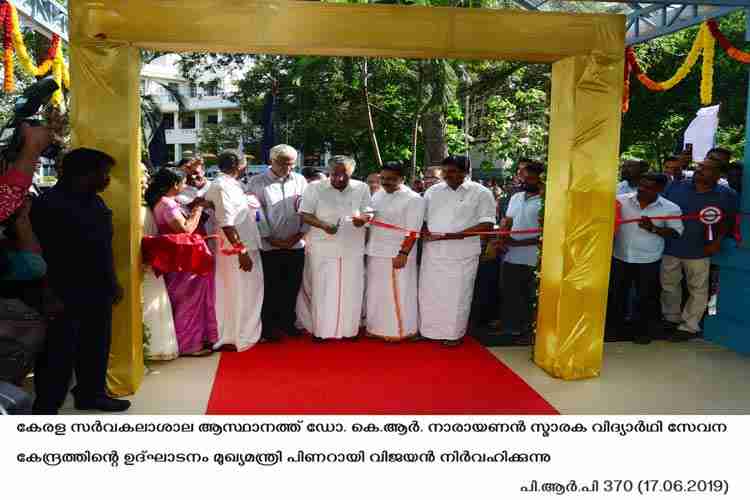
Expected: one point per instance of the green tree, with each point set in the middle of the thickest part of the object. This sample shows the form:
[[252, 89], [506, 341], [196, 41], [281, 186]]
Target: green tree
[[653, 127]]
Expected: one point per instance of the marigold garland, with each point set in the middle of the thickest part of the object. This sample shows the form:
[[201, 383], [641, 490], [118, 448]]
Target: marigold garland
[[703, 44], [8, 83], [626, 87], [57, 73], [707, 69], [732, 51], [13, 42]]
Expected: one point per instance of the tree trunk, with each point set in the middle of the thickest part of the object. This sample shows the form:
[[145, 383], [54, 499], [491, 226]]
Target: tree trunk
[[417, 119], [433, 133], [370, 123]]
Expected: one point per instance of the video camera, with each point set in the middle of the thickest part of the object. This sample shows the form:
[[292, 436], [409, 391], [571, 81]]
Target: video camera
[[28, 105]]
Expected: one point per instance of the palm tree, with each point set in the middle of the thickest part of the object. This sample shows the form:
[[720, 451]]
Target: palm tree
[[151, 115]]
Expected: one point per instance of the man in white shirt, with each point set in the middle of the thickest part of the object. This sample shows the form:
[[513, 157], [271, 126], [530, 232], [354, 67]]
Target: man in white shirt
[[453, 209], [638, 251], [392, 303], [522, 254], [337, 209], [631, 172], [239, 278], [279, 191]]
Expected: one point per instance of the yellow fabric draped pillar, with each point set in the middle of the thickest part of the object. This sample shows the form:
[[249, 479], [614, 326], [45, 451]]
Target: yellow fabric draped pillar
[[105, 115], [579, 214]]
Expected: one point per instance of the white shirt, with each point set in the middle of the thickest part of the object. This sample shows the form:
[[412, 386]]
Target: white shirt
[[191, 192], [280, 199], [234, 208], [332, 206], [625, 188], [636, 245], [524, 210], [403, 208], [452, 211]]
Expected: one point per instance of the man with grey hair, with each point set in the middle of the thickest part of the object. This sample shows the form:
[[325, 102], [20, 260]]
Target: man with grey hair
[[279, 191], [337, 209]]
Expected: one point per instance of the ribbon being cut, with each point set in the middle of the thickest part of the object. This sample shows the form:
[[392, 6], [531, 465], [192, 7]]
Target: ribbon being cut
[[189, 252]]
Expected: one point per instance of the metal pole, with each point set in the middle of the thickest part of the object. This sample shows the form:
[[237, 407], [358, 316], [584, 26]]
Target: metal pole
[[745, 198]]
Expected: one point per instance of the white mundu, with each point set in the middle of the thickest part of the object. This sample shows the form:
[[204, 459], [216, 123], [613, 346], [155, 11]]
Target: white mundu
[[304, 297], [446, 284], [336, 260], [239, 294], [392, 301]]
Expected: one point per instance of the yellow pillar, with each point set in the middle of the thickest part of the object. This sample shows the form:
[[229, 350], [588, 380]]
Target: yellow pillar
[[579, 215], [105, 116]]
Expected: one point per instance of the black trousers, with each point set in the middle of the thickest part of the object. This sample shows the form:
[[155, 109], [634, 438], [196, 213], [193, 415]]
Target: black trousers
[[486, 290], [645, 279], [78, 340], [519, 297], [282, 278]]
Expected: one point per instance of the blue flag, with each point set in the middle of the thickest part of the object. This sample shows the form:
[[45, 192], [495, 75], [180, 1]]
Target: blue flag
[[269, 135]]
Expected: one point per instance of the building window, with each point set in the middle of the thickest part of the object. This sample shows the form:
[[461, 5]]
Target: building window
[[187, 120], [212, 119], [212, 89], [193, 90], [168, 121]]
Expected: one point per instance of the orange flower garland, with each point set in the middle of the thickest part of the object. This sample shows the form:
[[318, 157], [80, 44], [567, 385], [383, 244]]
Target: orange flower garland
[[725, 44], [626, 87], [703, 44], [13, 43], [7, 22]]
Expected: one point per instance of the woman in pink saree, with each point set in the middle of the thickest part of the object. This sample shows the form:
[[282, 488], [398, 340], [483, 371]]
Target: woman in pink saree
[[192, 295]]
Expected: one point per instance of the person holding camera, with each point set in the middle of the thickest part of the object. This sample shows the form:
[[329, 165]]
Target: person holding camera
[[17, 176], [74, 227]]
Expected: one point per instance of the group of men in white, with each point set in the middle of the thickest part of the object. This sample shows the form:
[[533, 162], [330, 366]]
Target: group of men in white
[[350, 239]]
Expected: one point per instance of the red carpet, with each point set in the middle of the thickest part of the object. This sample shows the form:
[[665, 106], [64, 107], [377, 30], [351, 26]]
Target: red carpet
[[369, 376]]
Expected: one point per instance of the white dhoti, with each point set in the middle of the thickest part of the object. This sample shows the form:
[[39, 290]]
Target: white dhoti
[[239, 300], [338, 286], [392, 304], [157, 317], [446, 288], [304, 298]]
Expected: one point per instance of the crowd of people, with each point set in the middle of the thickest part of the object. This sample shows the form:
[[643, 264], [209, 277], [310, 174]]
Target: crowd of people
[[661, 273], [321, 253]]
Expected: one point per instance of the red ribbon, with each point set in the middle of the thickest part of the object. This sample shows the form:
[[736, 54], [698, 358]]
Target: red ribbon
[[189, 252], [503, 232]]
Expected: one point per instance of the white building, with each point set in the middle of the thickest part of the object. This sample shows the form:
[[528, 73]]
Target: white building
[[204, 106]]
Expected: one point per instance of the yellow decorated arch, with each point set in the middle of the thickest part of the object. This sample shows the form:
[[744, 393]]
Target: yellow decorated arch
[[587, 55]]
